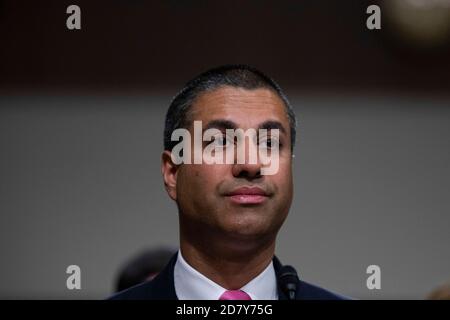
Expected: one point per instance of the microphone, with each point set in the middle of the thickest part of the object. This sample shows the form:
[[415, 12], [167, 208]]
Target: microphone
[[288, 281]]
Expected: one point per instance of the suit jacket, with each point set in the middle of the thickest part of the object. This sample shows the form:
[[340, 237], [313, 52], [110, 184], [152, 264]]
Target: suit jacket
[[162, 287]]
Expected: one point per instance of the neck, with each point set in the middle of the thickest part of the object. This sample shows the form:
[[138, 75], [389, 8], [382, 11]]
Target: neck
[[229, 264]]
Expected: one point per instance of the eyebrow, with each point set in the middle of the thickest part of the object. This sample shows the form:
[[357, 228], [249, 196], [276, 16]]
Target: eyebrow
[[223, 124], [220, 124], [271, 124]]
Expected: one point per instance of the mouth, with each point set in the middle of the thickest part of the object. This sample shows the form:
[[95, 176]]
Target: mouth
[[245, 195]]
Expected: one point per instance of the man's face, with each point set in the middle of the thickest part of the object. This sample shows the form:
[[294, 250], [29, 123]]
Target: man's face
[[221, 197]]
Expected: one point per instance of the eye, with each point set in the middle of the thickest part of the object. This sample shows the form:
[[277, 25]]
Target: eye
[[269, 142], [221, 141]]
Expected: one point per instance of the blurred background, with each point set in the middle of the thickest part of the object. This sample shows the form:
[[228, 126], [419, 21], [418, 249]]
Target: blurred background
[[81, 121]]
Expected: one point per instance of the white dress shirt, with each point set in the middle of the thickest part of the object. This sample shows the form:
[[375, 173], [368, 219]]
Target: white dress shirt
[[192, 285]]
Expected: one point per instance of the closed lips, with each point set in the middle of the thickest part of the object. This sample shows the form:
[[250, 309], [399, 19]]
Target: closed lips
[[248, 191], [248, 196]]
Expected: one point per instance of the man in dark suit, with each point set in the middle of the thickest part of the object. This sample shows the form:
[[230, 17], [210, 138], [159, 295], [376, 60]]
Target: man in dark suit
[[229, 212]]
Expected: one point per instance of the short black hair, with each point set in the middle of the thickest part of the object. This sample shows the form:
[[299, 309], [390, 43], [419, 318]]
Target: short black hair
[[239, 76]]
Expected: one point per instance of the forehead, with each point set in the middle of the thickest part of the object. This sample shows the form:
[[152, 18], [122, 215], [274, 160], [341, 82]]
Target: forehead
[[242, 106]]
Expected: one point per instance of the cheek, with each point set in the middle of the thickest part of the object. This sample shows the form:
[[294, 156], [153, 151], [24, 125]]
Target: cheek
[[284, 180], [188, 180], [213, 174], [201, 180]]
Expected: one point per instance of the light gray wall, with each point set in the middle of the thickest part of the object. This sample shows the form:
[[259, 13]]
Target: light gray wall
[[80, 184]]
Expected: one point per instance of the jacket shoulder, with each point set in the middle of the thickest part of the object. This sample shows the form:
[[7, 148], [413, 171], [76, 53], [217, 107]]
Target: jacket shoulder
[[142, 291]]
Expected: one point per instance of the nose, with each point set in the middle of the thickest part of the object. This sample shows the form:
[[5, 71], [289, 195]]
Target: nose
[[250, 168], [246, 170]]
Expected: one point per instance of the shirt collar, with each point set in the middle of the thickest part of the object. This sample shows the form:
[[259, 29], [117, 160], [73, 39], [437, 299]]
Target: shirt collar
[[192, 285]]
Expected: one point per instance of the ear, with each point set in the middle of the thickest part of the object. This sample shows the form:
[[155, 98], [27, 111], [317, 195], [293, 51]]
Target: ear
[[169, 172]]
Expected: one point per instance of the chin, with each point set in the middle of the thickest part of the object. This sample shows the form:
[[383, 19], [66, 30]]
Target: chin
[[247, 229]]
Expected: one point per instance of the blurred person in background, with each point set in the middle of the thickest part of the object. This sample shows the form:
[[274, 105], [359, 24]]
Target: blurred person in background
[[440, 293], [142, 267]]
